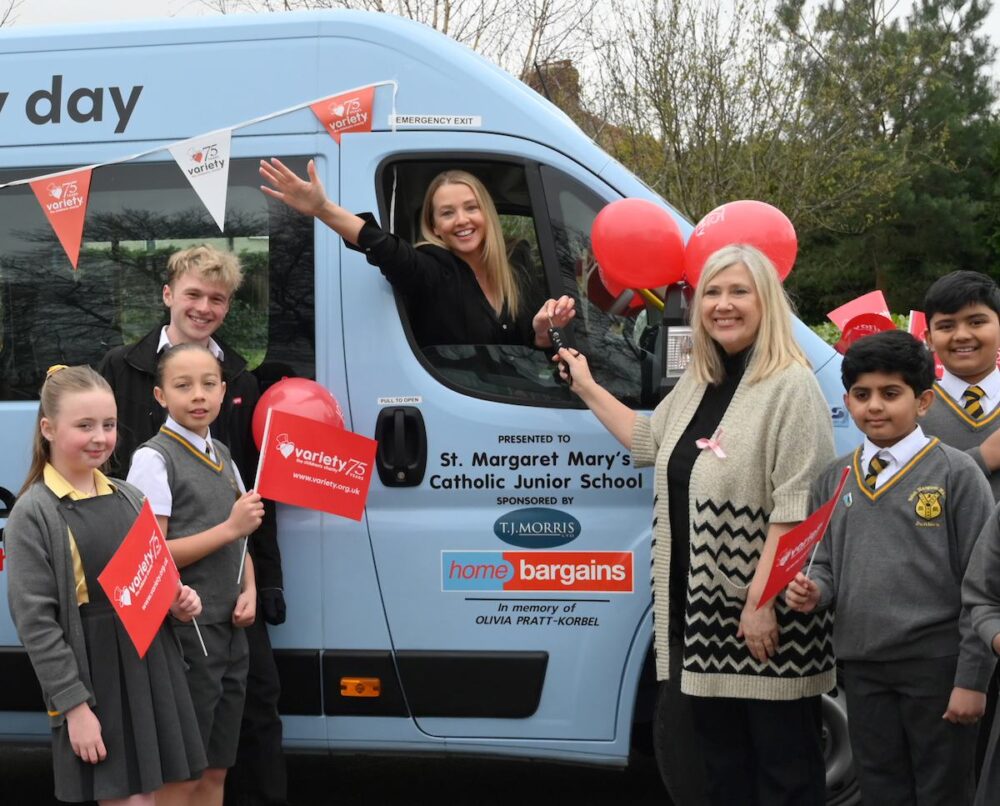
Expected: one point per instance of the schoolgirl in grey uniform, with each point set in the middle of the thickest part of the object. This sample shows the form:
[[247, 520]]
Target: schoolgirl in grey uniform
[[123, 727], [198, 498]]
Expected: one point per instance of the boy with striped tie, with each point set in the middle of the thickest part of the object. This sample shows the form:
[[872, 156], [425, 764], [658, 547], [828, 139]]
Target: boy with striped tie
[[963, 328], [892, 563]]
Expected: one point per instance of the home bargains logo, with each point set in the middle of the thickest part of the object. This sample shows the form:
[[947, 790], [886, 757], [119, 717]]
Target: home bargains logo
[[590, 571]]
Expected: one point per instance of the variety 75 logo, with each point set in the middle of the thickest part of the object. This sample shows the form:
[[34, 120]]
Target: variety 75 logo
[[356, 469]]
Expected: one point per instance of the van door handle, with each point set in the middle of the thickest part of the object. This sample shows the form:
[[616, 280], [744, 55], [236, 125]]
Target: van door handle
[[7, 499], [401, 458]]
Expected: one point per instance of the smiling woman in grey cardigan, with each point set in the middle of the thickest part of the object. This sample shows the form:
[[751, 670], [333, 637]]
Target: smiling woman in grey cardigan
[[735, 446]]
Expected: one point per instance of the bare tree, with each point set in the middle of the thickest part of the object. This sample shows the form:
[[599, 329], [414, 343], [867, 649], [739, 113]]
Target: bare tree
[[515, 34], [714, 101], [8, 13]]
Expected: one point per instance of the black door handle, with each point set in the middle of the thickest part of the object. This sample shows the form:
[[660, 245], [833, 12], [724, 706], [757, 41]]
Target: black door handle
[[7, 499], [401, 458]]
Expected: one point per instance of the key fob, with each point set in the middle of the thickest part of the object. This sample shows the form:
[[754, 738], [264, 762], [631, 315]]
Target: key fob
[[557, 344]]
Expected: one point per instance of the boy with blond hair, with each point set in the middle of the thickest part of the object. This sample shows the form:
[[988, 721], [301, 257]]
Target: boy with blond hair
[[201, 282]]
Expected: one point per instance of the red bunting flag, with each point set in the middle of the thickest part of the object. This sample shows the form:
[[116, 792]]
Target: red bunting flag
[[310, 464], [795, 545], [872, 302], [349, 112], [64, 201], [141, 580]]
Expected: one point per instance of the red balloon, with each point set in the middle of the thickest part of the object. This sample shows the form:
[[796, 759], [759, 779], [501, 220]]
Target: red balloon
[[638, 244], [299, 396], [751, 222]]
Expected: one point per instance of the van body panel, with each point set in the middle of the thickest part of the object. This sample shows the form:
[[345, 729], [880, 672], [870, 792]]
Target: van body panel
[[425, 573], [417, 532]]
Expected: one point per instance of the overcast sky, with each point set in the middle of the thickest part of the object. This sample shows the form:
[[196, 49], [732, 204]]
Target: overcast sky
[[50, 12]]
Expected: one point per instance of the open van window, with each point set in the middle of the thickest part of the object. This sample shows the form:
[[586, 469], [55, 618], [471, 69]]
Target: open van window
[[546, 218], [138, 214]]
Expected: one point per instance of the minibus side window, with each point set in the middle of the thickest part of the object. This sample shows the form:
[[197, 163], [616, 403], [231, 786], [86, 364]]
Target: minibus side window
[[613, 334], [138, 214], [547, 236]]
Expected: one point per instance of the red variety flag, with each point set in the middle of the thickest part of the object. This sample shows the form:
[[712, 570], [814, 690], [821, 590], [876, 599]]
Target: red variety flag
[[141, 580], [64, 201], [310, 464], [349, 112], [795, 545], [872, 302]]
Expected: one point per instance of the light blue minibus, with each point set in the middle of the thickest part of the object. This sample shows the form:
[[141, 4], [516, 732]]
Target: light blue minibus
[[495, 593]]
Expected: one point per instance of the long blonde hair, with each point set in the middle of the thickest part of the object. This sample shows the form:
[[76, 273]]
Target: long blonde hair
[[774, 346], [498, 268], [59, 382]]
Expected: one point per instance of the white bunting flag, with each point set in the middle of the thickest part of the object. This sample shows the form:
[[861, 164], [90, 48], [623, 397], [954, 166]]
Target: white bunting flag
[[205, 162]]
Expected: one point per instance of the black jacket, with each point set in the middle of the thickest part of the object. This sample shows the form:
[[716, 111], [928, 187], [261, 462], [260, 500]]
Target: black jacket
[[131, 369], [443, 299]]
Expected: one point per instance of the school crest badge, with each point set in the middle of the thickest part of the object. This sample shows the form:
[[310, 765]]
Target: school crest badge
[[928, 502]]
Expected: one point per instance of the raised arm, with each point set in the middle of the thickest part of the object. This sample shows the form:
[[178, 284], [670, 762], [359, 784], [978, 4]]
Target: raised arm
[[308, 197]]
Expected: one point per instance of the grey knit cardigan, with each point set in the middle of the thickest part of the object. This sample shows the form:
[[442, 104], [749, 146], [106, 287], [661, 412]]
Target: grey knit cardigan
[[41, 593], [777, 437]]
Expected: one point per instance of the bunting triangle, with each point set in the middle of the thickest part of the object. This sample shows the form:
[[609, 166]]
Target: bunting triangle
[[205, 162], [64, 201], [348, 112]]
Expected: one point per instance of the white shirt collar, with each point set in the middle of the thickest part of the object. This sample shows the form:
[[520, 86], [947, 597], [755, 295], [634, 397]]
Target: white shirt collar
[[213, 346], [899, 454], [199, 442], [955, 386]]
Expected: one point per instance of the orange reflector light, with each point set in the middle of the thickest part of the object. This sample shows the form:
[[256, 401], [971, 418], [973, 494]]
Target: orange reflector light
[[360, 687]]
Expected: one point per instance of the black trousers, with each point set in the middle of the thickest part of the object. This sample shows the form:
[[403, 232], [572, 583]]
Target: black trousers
[[682, 751], [762, 752], [904, 752], [989, 778], [259, 776]]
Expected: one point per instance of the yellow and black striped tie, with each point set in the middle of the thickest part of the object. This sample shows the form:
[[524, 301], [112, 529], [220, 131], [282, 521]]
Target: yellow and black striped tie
[[875, 466], [973, 401]]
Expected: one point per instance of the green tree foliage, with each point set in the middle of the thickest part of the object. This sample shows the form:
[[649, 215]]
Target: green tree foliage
[[915, 89]]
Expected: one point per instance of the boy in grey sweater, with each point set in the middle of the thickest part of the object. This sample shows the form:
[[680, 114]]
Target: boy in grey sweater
[[981, 595], [963, 329], [914, 671]]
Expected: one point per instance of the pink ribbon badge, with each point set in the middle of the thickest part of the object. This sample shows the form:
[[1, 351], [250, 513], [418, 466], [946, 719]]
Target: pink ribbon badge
[[713, 443]]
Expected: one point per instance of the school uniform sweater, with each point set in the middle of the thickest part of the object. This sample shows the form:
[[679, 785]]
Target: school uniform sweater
[[203, 494], [892, 562], [41, 594], [777, 436], [947, 420], [981, 587]]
